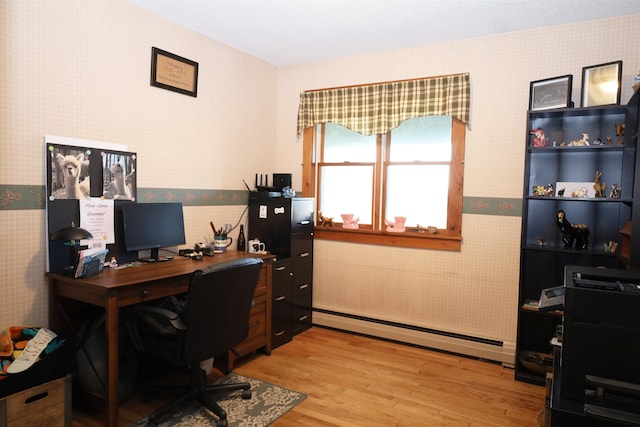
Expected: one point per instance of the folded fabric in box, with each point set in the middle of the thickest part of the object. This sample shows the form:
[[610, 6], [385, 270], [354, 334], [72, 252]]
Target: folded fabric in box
[[41, 364]]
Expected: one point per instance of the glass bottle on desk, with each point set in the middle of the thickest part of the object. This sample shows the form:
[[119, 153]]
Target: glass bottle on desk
[[242, 243]]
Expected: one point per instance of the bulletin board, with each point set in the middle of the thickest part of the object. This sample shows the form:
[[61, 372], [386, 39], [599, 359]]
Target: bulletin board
[[77, 172]]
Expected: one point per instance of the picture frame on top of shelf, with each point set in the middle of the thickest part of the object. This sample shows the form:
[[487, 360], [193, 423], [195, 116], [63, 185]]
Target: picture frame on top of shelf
[[550, 93], [601, 84]]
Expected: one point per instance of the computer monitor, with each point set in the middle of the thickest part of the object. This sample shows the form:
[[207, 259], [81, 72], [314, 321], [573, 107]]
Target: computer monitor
[[151, 226]]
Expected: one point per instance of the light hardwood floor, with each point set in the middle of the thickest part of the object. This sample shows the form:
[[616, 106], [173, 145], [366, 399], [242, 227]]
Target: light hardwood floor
[[352, 380]]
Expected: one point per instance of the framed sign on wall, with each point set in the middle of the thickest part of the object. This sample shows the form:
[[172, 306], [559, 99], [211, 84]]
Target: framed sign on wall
[[173, 72]]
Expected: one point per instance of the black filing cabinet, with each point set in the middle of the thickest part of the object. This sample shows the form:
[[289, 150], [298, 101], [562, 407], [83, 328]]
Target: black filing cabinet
[[301, 284], [281, 306], [286, 227]]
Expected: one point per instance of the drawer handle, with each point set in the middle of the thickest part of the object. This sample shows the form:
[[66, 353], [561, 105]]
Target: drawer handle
[[305, 286], [144, 293], [305, 222], [303, 318], [304, 254], [281, 268], [281, 298], [279, 333]]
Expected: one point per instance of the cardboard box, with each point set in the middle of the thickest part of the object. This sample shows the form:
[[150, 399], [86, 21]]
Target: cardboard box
[[48, 404]]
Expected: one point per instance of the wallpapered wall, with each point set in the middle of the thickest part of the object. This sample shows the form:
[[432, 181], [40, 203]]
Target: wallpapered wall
[[473, 292], [81, 69]]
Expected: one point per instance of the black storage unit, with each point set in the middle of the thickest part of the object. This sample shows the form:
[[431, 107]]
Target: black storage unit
[[543, 254], [600, 347], [282, 304], [285, 225]]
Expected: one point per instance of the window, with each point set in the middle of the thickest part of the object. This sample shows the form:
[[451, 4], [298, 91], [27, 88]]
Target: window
[[414, 171], [388, 150]]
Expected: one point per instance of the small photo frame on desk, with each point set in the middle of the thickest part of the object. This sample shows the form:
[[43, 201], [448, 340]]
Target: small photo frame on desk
[[601, 84], [550, 93], [173, 72]]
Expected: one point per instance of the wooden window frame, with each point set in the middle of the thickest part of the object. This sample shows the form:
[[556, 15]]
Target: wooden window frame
[[449, 239]]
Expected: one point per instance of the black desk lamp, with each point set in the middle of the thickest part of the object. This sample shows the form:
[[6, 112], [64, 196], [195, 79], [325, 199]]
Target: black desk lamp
[[71, 237]]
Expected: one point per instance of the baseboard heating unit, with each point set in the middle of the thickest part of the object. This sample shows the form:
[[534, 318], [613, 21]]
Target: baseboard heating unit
[[498, 351]]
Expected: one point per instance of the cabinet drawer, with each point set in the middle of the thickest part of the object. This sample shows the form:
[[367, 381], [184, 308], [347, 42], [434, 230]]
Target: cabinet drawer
[[280, 323], [281, 271], [257, 320], [301, 320], [301, 293], [302, 248], [261, 286], [302, 279], [302, 215]]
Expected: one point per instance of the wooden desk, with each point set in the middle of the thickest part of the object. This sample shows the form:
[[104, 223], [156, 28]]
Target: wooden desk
[[113, 289]]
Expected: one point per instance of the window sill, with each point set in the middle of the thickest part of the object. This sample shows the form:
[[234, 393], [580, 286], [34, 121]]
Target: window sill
[[438, 241]]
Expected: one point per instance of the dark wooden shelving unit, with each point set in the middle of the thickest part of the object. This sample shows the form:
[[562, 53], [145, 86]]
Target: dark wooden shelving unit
[[543, 254]]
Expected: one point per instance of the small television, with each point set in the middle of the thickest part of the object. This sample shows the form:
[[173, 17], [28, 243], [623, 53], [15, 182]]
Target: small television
[[152, 226]]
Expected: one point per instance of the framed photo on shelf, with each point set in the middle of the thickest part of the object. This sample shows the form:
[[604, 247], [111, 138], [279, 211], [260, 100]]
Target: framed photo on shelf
[[601, 84], [550, 93], [173, 72]]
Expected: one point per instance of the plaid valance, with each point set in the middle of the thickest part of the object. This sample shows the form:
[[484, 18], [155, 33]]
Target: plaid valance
[[379, 108]]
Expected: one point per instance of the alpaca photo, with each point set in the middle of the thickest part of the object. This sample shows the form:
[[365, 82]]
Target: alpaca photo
[[118, 176], [69, 175]]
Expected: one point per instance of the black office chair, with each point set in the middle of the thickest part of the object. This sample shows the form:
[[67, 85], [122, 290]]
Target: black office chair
[[214, 319]]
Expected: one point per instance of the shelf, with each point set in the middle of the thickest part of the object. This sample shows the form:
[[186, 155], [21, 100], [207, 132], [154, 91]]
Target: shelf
[[580, 199], [552, 313], [573, 167], [577, 112], [551, 248], [576, 148], [537, 379]]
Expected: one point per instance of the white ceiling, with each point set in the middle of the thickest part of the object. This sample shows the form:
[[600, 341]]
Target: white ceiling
[[290, 32]]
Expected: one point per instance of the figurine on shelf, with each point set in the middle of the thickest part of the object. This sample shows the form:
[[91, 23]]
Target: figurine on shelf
[[324, 221], [580, 142], [580, 193], [549, 190], [599, 186], [573, 235], [620, 132], [397, 226], [539, 138], [349, 222], [615, 191], [430, 229]]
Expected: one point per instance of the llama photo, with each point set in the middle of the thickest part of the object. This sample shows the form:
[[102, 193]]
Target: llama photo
[[118, 176], [70, 176]]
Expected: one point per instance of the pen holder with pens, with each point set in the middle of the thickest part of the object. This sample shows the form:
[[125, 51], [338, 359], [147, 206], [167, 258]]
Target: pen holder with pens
[[221, 242]]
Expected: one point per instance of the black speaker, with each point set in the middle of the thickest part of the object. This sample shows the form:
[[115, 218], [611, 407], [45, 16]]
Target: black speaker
[[281, 180]]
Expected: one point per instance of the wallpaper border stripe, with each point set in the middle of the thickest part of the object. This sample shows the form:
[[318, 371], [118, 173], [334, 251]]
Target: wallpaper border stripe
[[23, 197]]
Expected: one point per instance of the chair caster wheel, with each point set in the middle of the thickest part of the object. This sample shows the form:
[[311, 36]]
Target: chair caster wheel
[[246, 394], [221, 423]]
